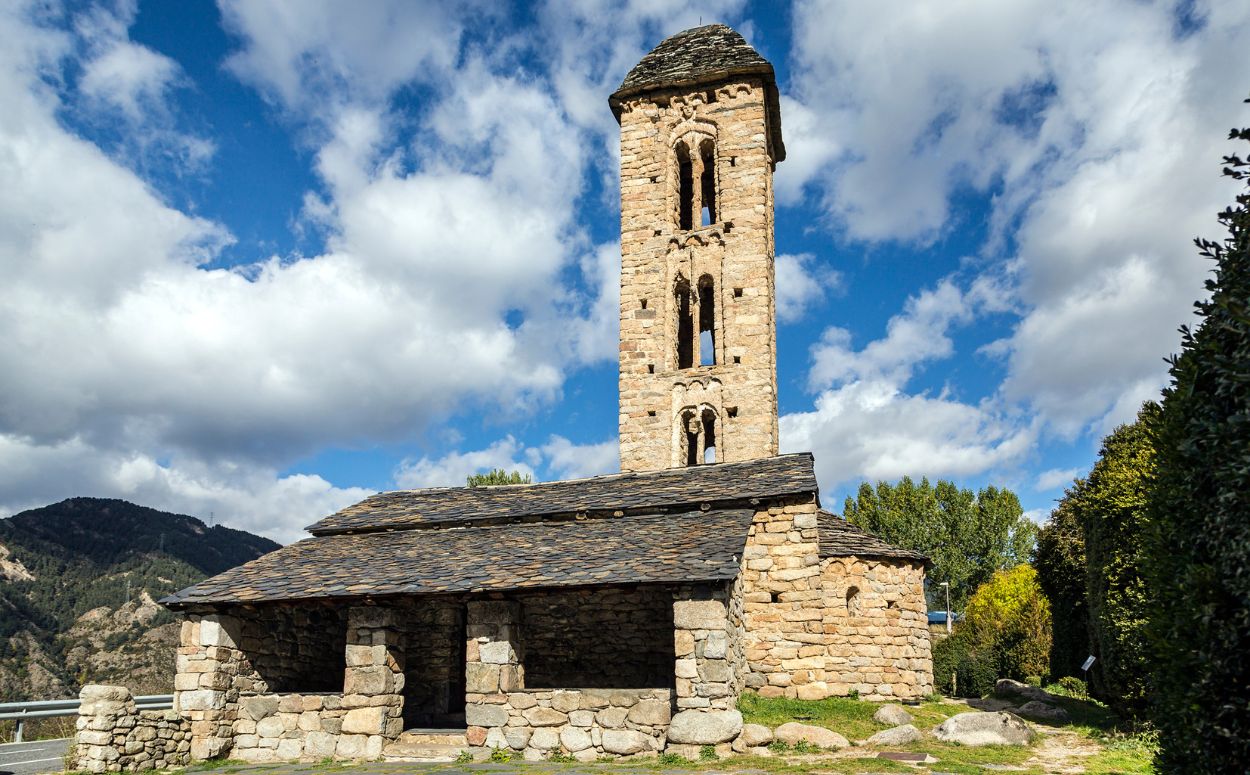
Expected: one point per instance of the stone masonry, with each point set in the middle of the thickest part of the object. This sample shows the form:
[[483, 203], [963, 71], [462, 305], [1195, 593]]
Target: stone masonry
[[678, 281], [818, 628], [114, 737]]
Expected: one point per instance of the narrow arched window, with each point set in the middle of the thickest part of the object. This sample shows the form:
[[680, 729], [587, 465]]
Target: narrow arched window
[[707, 321], [685, 188], [685, 325], [691, 430], [709, 436], [852, 601], [707, 182]]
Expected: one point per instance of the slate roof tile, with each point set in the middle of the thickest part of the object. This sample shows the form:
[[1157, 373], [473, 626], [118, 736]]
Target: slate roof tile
[[703, 55], [839, 538], [653, 548], [674, 489]]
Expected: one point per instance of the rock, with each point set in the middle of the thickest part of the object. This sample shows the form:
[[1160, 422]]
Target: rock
[[794, 732], [575, 739], [612, 718], [1008, 689], [979, 728], [485, 715], [544, 739], [517, 738], [94, 692], [625, 741], [545, 717], [650, 712], [565, 701], [754, 735], [891, 715], [260, 707], [270, 727], [1042, 711], [705, 727], [364, 721], [900, 735]]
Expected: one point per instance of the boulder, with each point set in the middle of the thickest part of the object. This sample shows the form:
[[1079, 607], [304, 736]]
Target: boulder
[[625, 741], [978, 728], [1008, 689], [891, 715], [1043, 711], [754, 735], [794, 732], [900, 735], [705, 727], [650, 713], [575, 739]]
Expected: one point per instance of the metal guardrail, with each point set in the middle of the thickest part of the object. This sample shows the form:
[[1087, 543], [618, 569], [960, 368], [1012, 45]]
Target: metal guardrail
[[21, 711]]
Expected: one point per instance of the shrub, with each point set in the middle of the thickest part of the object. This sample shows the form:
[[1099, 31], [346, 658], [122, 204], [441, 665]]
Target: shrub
[[971, 667], [1199, 548], [1060, 564], [500, 755], [1009, 618], [707, 753]]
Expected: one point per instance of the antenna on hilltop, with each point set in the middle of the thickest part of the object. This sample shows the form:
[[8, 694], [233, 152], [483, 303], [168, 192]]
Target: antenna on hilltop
[[211, 515]]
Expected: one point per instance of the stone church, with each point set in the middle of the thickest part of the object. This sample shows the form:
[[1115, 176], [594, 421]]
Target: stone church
[[615, 615]]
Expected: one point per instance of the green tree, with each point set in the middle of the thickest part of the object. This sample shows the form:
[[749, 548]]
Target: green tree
[[967, 536], [497, 476], [1061, 572], [1199, 548], [1110, 507]]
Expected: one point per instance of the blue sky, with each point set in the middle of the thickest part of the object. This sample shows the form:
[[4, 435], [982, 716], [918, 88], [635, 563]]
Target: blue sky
[[263, 259]]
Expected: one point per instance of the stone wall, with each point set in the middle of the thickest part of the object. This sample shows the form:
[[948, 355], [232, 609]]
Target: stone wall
[[114, 737], [598, 638], [582, 723], [294, 649], [804, 640], [657, 255], [217, 685], [785, 643], [876, 620]]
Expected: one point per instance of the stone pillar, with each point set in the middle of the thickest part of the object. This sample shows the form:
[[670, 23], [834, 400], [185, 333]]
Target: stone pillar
[[104, 715], [493, 665], [705, 644], [205, 686], [373, 683]]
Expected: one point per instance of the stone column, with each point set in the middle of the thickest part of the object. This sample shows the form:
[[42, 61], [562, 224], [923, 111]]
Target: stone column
[[104, 716], [493, 665], [373, 683], [205, 686], [706, 676]]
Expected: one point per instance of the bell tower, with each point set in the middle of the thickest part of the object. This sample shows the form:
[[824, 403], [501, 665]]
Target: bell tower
[[700, 137]]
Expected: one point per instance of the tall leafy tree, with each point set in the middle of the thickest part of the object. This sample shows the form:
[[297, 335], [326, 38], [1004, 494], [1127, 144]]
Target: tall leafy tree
[[1060, 563], [1111, 508], [968, 536], [498, 476], [1199, 562]]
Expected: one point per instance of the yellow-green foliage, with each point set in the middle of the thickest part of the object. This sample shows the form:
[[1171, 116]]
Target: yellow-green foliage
[[1009, 616]]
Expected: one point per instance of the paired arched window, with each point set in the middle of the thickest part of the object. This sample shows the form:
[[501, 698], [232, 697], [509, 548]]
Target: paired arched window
[[696, 184], [698, 432], [696, 317]]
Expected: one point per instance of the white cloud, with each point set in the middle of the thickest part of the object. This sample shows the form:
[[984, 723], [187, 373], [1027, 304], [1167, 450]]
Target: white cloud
[[801, 283], [1055, 477], [561, 458], [1098, 128]]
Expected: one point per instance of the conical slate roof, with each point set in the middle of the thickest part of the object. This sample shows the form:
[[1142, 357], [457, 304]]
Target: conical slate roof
[[704, 55]]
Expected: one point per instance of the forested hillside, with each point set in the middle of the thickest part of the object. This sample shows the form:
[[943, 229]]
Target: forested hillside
[[78, 585]]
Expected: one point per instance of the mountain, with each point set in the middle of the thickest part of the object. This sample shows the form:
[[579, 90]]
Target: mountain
[[78, 585]]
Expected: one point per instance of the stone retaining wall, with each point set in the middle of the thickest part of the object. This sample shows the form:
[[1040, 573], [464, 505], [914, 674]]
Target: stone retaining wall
[[582, 723], [115, 737]]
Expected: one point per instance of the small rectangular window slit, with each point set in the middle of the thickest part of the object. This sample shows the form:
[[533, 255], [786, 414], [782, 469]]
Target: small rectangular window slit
[[737, 293], [644, 303], [731, 411], [737, 359], [650, 368], [651, 413]]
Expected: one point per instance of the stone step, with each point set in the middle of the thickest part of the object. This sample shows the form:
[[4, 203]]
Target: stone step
[[438, 745], [433, 752]]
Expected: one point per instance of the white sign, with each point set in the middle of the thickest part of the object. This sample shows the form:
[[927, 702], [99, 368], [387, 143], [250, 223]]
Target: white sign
[[1089, 662]]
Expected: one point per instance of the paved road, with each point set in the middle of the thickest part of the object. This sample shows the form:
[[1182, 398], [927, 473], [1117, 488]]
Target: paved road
[[31, 758]]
